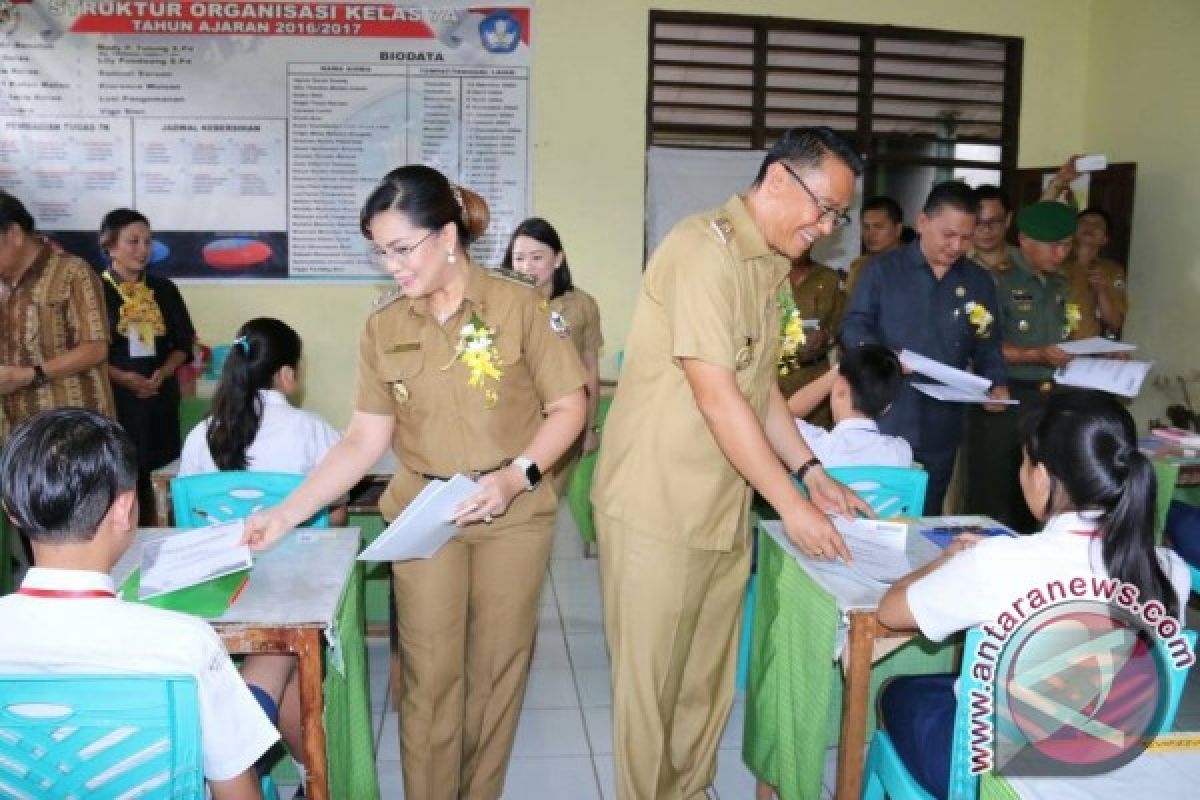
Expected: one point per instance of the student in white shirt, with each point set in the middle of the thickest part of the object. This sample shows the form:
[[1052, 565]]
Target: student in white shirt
[[1094, 493], [252, 425], [68, 483], [860, 389]]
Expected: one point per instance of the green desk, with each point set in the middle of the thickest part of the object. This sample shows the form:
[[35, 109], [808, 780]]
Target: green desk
[[798, 703]]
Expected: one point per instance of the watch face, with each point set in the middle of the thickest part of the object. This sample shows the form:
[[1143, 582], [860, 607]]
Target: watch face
[[533, 475]]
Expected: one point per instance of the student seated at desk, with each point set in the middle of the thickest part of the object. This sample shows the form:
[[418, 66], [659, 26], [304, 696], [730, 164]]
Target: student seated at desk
[[68, 481], [1093, 492], [252, 425], [860, 389]]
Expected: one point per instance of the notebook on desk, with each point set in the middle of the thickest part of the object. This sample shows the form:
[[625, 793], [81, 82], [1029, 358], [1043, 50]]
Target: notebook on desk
[[209, 599]]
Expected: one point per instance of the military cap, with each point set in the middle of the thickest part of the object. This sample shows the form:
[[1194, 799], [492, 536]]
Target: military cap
[[1046, 221]]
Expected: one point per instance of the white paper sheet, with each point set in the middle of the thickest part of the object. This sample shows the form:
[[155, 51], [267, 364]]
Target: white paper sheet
[[425, 525], [1096, 346], [953, 394], [186, 559], [878, 547], [943, 373], [1106, 374]]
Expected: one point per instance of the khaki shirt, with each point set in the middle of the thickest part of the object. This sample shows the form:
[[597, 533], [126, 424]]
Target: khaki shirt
[[818, 296], [409, 369], [580, 316], [56, 306], [1011, 256], [709, 292], [1081, 293], [1033, 313]]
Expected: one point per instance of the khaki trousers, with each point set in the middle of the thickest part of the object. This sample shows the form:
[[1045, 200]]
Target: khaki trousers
[[672, 615], [466, 620]]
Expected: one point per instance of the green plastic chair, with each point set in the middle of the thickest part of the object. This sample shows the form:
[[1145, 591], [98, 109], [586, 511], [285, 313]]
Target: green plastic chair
[[579, 485], [223, 496], [885, 774]]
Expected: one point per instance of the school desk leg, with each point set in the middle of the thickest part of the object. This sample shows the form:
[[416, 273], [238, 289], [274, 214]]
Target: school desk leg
[[854, 705], [312, 710]]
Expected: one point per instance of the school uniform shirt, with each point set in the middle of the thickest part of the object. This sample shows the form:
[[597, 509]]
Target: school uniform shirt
[[855, 442], [90, 635], [981, 582], [289, 439]]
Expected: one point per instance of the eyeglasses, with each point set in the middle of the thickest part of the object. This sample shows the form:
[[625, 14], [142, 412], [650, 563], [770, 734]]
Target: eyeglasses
[[839, 218], [383, 255]]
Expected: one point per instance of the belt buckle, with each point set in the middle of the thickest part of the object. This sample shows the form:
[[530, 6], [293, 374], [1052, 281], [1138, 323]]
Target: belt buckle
[[1045, 387]]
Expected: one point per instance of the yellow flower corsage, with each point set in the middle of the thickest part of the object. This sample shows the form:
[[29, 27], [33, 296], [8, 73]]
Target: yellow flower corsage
[[1074, 317], [139, 314], [792, 341], [477, 352], [979, 317]]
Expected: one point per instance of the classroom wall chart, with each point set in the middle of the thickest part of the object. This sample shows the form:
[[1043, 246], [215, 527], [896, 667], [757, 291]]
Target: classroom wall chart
[[250, 132]]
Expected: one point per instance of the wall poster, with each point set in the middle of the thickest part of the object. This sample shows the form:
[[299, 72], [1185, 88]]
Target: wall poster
[[250, 132]]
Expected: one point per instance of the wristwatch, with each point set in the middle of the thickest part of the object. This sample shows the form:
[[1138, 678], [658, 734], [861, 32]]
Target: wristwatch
[[40, 378], [533, 475]]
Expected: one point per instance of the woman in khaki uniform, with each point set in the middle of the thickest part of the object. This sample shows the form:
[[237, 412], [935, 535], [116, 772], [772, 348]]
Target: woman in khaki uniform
[[536, 250], [459, 371]]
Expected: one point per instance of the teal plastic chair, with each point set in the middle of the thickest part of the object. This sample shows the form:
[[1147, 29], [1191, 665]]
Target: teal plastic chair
[[890, 491], [885, 774], [57, 736], [213, 497], [102, 737]]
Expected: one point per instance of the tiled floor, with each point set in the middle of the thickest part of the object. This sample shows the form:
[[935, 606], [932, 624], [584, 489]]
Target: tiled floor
[[563, 748]]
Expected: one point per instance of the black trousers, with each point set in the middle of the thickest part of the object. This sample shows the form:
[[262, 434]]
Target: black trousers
[[994, 453]]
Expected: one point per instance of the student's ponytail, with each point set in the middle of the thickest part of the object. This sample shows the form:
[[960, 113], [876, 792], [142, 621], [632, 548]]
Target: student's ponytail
[[1088, 444], [1128, 546], [261, 348]]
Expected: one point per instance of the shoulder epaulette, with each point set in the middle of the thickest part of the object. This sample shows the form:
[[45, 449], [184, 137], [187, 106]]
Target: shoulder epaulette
[[723, 228], [386, 299], [514, 277]]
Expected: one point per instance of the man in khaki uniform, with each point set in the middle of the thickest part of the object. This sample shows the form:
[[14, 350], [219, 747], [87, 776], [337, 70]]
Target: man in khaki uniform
[[1095, 285], [882, 230], [989, 246], [814, 290], [698, 423]]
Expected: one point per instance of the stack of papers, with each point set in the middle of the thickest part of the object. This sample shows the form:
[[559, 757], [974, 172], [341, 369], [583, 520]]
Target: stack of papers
[[425, 525], [1106, 374], [878, 547], [186, 559], [1096, 346], [953, 385]]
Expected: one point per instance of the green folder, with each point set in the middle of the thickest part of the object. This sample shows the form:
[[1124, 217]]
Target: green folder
[[209, 599]]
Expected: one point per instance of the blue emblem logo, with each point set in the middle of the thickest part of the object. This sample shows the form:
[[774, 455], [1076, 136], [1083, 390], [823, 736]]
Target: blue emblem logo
[[500, 32]]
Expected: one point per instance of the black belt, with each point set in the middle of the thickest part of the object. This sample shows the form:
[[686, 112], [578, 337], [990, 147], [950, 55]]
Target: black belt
[[474, 474], [1045, 387]]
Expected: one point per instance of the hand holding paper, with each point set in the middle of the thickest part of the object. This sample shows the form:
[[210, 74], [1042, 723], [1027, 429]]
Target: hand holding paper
[[186, 559], [425, 525]]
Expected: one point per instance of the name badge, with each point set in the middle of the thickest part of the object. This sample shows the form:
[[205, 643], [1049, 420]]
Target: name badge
[[400, 391], [404, 347], [139, 347]]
